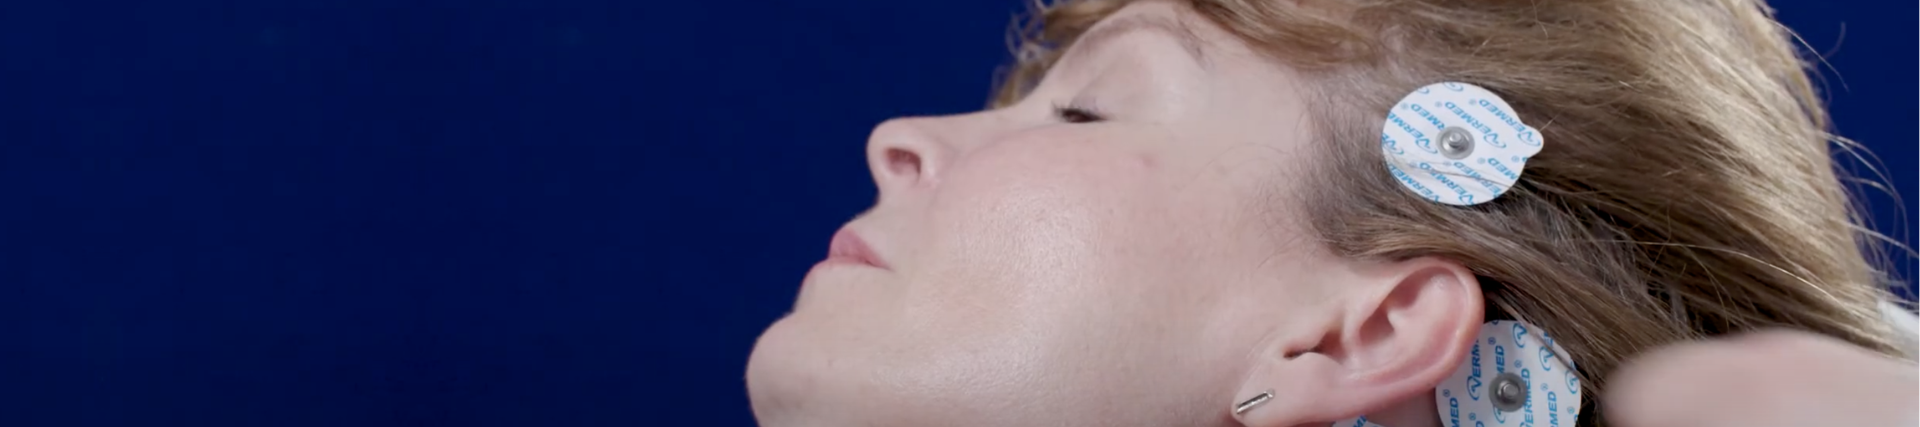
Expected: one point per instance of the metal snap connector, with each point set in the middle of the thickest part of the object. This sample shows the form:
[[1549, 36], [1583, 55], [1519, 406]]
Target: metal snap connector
[[1509, 392], [1456, 143]]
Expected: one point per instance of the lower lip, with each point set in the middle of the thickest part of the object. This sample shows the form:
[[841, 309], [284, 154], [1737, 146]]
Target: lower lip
[[847, 248], [848, 261], [833, 266], [843, 252]]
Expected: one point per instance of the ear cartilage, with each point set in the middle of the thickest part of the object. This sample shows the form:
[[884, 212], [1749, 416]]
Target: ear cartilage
[[1456, 143], [1514, 375], [1255, 401]]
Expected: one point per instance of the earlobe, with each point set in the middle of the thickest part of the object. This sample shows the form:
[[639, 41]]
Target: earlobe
[[1400, 328], [1284, 391]]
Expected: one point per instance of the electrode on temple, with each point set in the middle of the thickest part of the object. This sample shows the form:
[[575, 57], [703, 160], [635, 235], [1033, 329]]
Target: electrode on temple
[[1456, 143]]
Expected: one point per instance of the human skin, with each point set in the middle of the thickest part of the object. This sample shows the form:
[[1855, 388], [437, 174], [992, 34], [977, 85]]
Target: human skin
[[1143, 267], [1134, 259], [1769, 379]]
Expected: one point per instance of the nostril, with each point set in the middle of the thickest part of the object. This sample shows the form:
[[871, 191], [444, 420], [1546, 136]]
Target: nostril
[[903, 163]]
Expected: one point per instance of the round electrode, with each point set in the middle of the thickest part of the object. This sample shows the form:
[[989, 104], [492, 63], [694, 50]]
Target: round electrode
[[1455, 143], [1509, 392]]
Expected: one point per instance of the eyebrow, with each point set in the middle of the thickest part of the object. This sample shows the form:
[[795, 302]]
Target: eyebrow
[[1099, 38]]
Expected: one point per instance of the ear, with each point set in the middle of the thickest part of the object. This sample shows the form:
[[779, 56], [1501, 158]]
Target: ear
[[1396, 331]]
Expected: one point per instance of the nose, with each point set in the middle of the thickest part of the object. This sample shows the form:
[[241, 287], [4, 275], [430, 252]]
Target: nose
[[905, 154]]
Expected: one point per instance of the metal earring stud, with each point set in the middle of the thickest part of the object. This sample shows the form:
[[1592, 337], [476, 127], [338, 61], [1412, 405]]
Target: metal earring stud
[[1255, 401]]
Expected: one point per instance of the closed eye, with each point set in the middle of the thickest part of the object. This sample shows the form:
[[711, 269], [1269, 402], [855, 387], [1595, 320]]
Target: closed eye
[[1072, 113]]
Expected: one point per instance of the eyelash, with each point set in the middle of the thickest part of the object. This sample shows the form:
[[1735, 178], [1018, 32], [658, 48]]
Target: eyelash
[[1074, 113]]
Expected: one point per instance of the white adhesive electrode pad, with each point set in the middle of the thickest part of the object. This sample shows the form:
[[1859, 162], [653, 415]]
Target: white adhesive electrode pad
[[1514, 376], [1456, 143]]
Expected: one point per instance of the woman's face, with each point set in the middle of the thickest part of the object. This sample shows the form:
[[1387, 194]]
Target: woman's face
[[1110, 251]]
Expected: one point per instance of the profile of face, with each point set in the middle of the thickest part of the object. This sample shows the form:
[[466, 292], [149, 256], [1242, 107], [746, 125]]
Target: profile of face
[[1122, 247]]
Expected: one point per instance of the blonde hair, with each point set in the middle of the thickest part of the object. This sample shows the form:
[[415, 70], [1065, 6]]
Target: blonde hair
[[1687, 189]]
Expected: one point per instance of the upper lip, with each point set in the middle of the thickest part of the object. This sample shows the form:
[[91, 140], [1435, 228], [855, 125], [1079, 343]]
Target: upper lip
[[849, 246]]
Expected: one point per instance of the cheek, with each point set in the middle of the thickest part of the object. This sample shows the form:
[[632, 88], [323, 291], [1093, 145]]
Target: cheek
[[1062, 220], [1065, 242], [1030, 218], [1033, 250], [1079, 259]]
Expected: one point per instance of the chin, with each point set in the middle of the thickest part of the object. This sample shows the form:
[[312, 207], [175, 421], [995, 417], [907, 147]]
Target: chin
[[791, 384], [798, 377], [771, 384]]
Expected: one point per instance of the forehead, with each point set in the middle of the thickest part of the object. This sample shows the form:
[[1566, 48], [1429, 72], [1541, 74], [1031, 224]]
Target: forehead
[[1243, 101], [1155, 17], [1202, 40]]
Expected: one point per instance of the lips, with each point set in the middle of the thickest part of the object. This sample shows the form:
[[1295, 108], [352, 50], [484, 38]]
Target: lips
[[849, 248]]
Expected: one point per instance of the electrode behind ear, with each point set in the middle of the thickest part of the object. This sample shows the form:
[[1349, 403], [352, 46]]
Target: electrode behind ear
[[1515, 375], [1456, 143]]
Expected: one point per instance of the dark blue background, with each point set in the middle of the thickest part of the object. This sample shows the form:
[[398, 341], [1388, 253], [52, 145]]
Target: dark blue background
[[494, 212]]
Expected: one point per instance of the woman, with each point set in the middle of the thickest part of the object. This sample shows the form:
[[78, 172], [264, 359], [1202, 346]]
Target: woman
[[1179, 207]]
